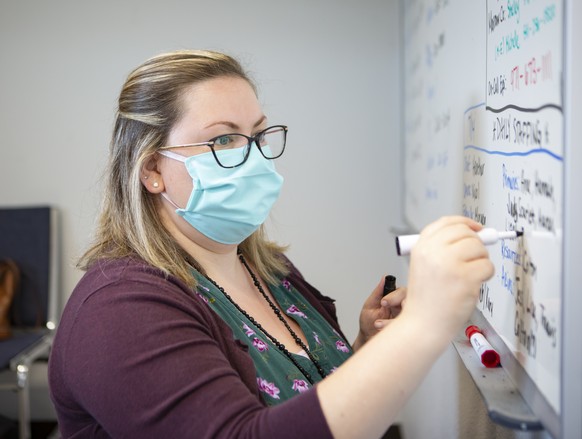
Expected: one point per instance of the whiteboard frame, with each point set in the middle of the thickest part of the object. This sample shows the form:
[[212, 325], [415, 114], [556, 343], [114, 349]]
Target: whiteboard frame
[[540, 407], [571, 385]]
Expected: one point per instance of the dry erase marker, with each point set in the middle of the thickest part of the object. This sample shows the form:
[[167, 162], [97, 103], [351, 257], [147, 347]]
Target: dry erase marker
[[489, 236], [489, 356], [389, 285]]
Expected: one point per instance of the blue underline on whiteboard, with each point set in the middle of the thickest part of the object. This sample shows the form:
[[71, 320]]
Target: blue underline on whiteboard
[[473, 107], [516, 153]]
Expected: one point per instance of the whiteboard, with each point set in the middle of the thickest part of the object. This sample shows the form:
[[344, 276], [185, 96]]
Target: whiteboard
[[484, 137], [512, 180], [444, 74]]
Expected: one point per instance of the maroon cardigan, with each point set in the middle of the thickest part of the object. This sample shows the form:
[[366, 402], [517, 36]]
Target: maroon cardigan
[[136, 355]]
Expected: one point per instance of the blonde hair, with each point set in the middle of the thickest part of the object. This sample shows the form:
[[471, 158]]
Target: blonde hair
[[129, 223]]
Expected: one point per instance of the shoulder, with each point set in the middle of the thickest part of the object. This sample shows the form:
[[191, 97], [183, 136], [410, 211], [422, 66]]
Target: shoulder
[[107, 273], [127, 306], [114, 280], [115, 290], [122, 300]]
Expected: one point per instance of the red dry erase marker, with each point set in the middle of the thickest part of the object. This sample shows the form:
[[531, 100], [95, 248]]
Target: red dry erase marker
[[489, 357]]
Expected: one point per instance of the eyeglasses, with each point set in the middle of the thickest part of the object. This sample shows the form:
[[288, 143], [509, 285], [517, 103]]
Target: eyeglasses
[[270, 142]]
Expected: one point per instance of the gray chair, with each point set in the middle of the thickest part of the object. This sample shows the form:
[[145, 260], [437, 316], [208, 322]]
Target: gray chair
[[28, 238]]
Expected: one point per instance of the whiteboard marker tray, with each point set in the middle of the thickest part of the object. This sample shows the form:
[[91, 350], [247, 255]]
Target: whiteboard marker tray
[[503, 400]]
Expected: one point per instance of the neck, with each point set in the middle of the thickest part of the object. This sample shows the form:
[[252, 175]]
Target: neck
[[224, 266], [216, 259]]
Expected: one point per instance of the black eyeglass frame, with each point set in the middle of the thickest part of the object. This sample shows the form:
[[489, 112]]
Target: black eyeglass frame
[[253, 139]]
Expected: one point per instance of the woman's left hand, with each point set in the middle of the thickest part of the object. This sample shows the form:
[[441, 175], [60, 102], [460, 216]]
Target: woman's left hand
[[378, 311]]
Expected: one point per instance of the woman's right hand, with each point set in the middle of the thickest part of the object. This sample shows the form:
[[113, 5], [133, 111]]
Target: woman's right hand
[[448, 264]]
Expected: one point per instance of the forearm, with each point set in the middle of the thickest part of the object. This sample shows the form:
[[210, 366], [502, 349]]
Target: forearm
[[448, 264], [364, 396]]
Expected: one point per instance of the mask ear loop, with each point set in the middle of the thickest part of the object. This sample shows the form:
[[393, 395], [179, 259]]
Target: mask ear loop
[[165, 195], [171, 155]]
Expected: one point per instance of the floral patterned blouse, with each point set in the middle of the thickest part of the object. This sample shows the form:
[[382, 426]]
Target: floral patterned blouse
[[278, 379]]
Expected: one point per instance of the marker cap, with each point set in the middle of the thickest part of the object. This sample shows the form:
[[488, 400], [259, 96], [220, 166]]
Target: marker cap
[[471, 330], [389, 284], [489, 357]]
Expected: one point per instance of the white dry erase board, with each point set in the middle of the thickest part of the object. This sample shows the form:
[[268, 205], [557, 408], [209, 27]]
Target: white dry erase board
[[484, 136]]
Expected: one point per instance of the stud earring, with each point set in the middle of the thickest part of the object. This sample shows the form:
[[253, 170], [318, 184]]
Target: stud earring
[[155, 184], [146, 177]]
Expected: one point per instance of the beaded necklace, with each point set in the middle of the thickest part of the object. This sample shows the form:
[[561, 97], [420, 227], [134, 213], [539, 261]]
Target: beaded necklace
[[277, 312]]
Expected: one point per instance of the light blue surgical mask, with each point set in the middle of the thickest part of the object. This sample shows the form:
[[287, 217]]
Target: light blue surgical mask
[[228, 204]]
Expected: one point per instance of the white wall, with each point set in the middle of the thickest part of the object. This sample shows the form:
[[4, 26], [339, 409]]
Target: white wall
[[327, 68]]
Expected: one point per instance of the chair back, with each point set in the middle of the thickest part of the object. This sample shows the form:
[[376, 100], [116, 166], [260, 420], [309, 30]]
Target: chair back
[[27, 237]]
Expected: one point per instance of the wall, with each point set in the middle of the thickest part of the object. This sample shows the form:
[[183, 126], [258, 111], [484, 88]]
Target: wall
[[329, 69]]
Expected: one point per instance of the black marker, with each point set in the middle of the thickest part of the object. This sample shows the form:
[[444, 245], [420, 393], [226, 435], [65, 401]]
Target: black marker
[[389, 284]]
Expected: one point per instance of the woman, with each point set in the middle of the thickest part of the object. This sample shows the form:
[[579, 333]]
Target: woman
[[189, 323]]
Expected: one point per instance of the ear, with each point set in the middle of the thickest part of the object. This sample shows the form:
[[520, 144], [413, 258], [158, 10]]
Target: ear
[[151, 177]]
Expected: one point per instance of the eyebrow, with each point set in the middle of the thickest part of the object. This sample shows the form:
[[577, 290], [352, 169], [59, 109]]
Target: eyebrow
[[234, 126]]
